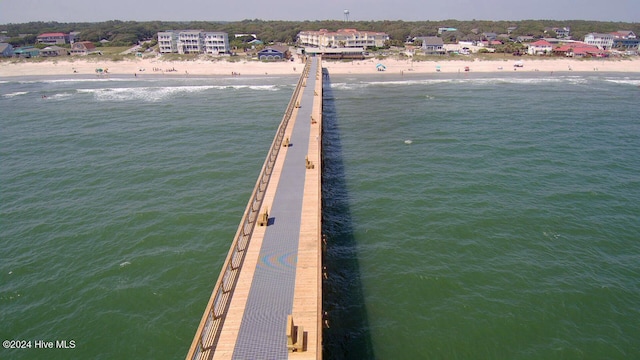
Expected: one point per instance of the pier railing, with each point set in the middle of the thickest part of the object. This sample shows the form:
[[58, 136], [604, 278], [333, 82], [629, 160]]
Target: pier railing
[[210, 326]]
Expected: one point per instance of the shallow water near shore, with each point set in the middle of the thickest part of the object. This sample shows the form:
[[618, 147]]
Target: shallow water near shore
[[507, 227]]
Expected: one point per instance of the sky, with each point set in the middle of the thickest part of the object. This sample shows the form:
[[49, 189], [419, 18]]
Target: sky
[[21, 11]]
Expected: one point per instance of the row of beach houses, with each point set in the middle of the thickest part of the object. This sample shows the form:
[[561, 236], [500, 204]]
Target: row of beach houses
[[80, 48], [352, 43], [342, 44], [594, 44], [53, 40]]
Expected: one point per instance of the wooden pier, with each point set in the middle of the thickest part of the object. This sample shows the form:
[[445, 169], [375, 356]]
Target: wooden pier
[[267, 301]]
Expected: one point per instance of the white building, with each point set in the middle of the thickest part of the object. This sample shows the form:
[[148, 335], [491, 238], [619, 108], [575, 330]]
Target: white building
[[190, 42], [602, 41], [193, 42], [216, 43], [168, 42], [540, 47], [343, 38]]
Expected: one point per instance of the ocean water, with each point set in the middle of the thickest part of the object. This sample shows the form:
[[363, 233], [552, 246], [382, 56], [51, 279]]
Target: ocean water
[[468, 216]]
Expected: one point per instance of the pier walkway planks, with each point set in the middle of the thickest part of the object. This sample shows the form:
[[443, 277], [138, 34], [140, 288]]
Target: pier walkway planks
[[280, 274]]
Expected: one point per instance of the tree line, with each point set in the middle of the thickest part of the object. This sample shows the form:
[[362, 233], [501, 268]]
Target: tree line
[[121, 33]]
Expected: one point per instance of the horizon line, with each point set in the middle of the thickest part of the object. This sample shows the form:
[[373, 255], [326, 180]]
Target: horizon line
[[324, 20]]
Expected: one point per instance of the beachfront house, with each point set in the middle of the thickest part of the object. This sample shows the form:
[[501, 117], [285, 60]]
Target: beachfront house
[[6, 50], [26, 52], [343, 38], [50, 51], [432, 45], [540, 47], [82, 48], [578, 50], [625, 39], [52, 38], [274, 53], [602, 41]]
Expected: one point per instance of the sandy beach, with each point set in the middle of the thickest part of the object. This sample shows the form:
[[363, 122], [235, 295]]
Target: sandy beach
[[150, 67]]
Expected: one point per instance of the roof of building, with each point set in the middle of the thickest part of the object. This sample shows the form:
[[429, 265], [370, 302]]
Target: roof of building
[[623, 34], [431, 41], [315, 50], [578, 48], [87, 44], [278, 48], [343, 32], [54, 48], [24, 49], [51, 34], [599, 35], [541, 43]]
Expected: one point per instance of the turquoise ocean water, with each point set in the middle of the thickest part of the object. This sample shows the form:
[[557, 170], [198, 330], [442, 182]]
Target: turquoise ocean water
[[472, 216]]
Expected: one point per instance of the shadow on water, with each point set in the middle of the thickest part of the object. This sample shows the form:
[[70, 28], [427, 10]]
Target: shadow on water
[[348, 335]]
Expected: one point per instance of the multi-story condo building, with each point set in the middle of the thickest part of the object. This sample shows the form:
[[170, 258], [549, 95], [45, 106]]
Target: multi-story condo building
[[193, 42], [602, 41], [343, 38], [168, 42], [216, 43], [190, 42]]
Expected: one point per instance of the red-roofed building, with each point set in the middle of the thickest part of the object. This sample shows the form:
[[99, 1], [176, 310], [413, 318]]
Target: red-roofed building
[[578, 49], [540, 47], [490, 42], [52, 38], [83, 48]]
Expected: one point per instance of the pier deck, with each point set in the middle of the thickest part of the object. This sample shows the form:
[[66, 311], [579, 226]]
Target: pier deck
[[272, 275]]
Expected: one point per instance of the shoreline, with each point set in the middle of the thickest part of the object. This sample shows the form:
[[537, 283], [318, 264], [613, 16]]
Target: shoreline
[[153, 67]]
